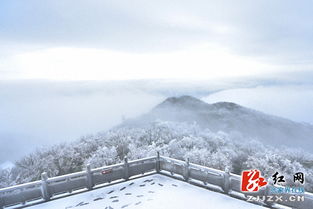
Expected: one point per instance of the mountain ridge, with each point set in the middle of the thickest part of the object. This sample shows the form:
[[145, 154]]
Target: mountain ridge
[[230, 118]]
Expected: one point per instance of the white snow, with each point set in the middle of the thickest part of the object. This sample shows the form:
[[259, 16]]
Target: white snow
[[6, 165], [153, 192]]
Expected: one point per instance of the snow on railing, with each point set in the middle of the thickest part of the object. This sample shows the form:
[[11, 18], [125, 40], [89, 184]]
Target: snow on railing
[[225, 182], [50, 188]]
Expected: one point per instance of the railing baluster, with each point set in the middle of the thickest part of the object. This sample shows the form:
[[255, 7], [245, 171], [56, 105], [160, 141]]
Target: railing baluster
[[1, 201], [187, 171], [89, 177], [158, 163], [68, 182], [267, 193], [226, 185], [45, 187], [126, 169], [142, 164], [24, 199]]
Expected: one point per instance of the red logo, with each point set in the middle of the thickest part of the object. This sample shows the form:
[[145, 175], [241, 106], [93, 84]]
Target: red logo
[[251, 181]]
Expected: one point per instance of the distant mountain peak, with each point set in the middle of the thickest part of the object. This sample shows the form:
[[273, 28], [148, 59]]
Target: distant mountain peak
[[193, 103], [230, 118], [227, 105], [183, 102], [181, 99]]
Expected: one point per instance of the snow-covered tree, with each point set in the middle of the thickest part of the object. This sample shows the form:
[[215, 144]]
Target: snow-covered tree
[[174, 139]]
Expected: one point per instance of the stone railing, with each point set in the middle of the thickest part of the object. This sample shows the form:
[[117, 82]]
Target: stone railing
[[50, 188]]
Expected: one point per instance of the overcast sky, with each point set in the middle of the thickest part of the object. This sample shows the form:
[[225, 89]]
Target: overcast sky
[[139, 39], [266, 44]]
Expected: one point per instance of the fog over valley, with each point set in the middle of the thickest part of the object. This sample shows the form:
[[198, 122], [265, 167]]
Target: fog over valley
[[36, 114]]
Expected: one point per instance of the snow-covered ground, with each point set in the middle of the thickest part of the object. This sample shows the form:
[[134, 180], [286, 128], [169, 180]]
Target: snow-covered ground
[[153, 192]]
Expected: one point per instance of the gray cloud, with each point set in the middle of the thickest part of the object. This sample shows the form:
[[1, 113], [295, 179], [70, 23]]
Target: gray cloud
[[278, 31]]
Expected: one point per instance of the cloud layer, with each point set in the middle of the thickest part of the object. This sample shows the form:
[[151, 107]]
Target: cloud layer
[[292, 102], [277, 31]]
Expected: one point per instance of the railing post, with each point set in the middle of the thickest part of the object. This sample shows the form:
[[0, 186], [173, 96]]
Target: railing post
[[45, 187], [68, 182], [126, 169], [187, 171], [226, 185], [1, 201], [22, 195], [267, 193], [157, 163], [89, 177]]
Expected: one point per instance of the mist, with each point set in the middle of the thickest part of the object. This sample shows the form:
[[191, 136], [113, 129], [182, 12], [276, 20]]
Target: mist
[[293, 102], [36, 114]]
